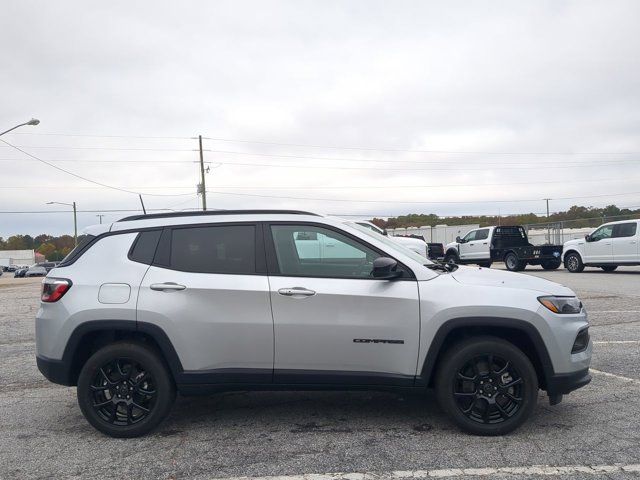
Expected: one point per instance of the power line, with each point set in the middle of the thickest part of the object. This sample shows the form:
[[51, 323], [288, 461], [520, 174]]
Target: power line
[[378, 149], [88, 179], [106, 148], [414, 201]]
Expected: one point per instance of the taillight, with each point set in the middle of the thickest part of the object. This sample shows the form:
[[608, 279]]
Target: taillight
[[53, 289]]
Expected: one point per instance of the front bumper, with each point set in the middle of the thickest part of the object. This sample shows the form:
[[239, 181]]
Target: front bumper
[[563, 383]]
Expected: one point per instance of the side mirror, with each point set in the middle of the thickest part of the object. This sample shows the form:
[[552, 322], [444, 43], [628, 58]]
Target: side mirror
[[385, 268], [458, 239], [587, 237]]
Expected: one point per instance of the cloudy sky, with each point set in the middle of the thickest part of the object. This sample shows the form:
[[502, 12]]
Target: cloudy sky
[[346, 107]]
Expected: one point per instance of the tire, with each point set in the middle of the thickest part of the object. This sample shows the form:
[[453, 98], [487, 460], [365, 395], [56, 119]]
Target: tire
[[489, 409], [551, 264], [609, 268], [512, 263], [451, 258], [573, 263], [125, 390], [485, 264]]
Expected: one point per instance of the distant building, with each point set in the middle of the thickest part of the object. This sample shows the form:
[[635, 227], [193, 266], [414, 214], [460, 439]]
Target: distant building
[[17, 257]]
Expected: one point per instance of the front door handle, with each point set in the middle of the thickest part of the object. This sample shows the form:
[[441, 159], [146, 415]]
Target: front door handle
[[296, 292], [167, 286]]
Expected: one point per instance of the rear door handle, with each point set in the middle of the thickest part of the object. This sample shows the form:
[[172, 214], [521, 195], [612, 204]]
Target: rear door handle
[[296, 292], [167, 286]]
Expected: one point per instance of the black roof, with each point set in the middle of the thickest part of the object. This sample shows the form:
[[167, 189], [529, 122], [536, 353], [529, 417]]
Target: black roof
[[213, 212]]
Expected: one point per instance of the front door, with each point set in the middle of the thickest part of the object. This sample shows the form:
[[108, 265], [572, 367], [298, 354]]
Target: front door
[[625, 242], [206, 291], [333, 322], [599, 249], [475, 245]]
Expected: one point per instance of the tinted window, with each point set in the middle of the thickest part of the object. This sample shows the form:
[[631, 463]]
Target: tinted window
[[482, 234], [144, 247], [311, 251], [625, 230], [602, 232], [218, 249]]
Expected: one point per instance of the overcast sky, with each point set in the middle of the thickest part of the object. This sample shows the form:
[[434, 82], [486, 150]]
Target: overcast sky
[[521, 84]]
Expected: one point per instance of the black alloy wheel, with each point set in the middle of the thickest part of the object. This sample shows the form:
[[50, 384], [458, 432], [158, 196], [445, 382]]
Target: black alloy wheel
[[488, 389], [124, 393], [125, 389], [486, 385]]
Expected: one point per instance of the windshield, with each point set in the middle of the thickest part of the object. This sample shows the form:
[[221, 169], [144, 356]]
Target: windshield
[[393, 244]]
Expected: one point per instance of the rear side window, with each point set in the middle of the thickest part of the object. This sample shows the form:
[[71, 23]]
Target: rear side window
[[215, 249], [625, 230], [74, 254], [144, 247], [482, 234]]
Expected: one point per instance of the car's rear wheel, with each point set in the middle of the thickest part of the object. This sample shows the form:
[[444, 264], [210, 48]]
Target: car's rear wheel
[[487, 386], [125, 390], [551, 264], [573, 263], [512, 262], [609, 268]]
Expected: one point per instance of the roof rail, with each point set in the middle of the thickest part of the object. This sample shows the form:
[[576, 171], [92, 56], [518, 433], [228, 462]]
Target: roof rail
[[213, 212]]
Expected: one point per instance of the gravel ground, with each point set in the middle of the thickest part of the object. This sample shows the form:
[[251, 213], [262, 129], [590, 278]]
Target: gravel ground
[[43, 434]]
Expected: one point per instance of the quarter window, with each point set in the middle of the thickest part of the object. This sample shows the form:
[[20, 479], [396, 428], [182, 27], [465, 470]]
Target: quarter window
[[215, 249], [310, 251], [625, 230]]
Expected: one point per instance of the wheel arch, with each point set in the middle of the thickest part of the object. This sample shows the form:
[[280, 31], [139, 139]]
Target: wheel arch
[[452, 251], [91, 336], [519, 332], [570, 251]]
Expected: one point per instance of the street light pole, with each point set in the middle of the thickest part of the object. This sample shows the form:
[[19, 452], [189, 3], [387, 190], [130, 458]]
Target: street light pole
[[33, 121], [75, 218], [100, 215]]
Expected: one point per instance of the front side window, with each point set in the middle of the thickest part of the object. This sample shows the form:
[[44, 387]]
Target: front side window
[[602, 232], [304, 250], [470, 236], [215, 249], [625, 230]]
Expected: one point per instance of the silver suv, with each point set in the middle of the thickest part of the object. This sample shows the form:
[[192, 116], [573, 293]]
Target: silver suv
[[260, 300]]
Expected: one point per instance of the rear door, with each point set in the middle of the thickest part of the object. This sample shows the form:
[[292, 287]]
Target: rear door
[[208, 290], [600, 248], [333, 322], [625, 242]]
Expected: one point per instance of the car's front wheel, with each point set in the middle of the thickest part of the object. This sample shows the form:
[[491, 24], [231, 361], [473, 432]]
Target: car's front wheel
[[573, 263], [125, 390], [451, 258], [487, 386]]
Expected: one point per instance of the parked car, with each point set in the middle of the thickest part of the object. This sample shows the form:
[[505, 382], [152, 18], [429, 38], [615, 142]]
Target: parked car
[[233, 300], [36, 270], [416, 244], [609, 246], [508, 244], [20, 272]]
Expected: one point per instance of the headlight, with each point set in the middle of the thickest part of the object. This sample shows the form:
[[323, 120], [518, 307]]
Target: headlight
[[562, 305]]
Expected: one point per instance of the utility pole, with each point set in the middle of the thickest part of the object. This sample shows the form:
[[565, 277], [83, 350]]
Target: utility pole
[[75, 225], [100, 215], [202, 188], [548, 226]]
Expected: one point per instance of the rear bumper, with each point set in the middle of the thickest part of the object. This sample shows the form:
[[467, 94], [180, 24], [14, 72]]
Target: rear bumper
[[56, 371]]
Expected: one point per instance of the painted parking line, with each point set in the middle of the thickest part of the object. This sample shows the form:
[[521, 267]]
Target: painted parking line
[[515, 472], [616, 342], [591, 312], [613, 375]]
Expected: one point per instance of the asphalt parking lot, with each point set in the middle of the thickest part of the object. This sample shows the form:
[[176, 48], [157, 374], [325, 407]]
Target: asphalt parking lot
[[594, 432]]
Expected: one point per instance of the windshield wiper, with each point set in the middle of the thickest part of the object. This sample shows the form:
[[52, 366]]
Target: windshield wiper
[[443, 267]]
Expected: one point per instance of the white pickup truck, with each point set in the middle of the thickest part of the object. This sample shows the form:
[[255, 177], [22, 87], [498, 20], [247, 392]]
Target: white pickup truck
[[508, 244], [609, 246]]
